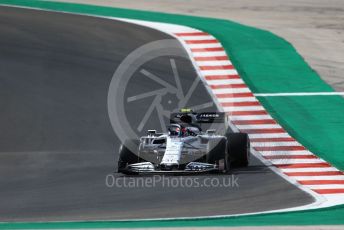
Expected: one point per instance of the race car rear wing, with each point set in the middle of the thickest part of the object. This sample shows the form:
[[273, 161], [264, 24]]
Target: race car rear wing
[[192, 117]]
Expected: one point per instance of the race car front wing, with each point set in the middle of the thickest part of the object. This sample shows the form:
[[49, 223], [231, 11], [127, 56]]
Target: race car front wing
[[148, 167]]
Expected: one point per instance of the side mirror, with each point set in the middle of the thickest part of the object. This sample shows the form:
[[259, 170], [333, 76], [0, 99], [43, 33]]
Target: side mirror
[[211, 131], [151, 132]]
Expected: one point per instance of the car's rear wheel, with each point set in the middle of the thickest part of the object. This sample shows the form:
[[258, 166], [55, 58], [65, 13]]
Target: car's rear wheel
[[128, 154], [238, 149]]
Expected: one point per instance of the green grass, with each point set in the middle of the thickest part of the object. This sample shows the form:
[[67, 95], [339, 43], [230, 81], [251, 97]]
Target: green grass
[[268, 64], [326, 216]]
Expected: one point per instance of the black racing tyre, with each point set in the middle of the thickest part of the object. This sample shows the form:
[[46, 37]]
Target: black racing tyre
[[238, 149], [126, 155], [216, 150]]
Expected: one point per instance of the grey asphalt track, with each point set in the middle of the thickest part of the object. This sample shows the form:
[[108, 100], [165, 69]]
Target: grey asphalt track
[[56, 141]]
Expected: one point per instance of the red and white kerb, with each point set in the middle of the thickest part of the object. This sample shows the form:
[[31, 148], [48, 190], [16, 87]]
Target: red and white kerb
[[247, 114]]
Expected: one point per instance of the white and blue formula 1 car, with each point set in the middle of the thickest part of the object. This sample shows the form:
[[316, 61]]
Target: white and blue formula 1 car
[[186, 148]]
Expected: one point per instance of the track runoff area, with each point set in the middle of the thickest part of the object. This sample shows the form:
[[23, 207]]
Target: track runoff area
[[270, 142]]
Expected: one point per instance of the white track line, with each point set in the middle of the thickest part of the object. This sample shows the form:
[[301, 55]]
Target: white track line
[[219, 72], [242, 108], [249, 117], [295, 161], [268, 135], [303, 178], [324, 169], [226, 82], [286, 153], [237, 99], [277, 143], [263, 126], [326, 186], [194, 38], [214, 63], [231, 90], [298, 94], [203, 46], [209, 54]]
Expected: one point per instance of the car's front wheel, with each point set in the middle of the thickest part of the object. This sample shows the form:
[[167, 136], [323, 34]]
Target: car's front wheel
[[217, 153], [128, 154]]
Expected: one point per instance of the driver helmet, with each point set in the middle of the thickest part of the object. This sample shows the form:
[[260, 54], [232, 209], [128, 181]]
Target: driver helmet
[[177, 130]]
